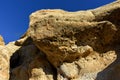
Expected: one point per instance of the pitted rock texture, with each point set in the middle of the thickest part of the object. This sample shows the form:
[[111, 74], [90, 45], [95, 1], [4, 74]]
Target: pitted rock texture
[[67, 39], [80, 45], [61, 45]]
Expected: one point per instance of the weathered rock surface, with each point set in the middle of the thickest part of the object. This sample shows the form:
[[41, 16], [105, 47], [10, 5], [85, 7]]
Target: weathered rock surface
[[61, 45], [4, 63], [80, 45], [21, 60], [29, 63]]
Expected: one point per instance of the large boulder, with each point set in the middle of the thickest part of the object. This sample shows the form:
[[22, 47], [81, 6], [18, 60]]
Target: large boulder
[[80, 45]]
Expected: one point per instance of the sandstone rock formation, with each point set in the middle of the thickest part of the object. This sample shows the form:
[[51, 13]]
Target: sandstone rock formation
[[61, 45]]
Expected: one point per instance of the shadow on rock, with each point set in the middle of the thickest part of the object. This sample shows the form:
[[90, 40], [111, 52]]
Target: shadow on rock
[[28, 63], [111, 72]]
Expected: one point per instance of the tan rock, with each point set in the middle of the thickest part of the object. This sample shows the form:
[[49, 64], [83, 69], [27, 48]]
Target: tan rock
[[80, 45], [61, 45], [58, 32], [21, 60], [60, 37], [1, 41], [4, 63], [28, 63]]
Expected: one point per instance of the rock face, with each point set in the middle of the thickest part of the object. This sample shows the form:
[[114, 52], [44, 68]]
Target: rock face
[[4, 63], [80, 45], [61, 45]]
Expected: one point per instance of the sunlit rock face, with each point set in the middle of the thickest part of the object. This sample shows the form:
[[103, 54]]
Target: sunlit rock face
[[61, 45], [81, 45]]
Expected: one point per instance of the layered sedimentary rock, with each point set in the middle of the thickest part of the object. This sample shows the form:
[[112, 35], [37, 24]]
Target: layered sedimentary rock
[[61, 45]]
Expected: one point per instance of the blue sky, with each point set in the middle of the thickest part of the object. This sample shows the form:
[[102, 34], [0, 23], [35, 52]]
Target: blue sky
[[14, 14]]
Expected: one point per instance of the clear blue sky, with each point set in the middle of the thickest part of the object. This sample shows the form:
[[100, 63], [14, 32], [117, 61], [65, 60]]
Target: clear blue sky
[[14, 14]]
